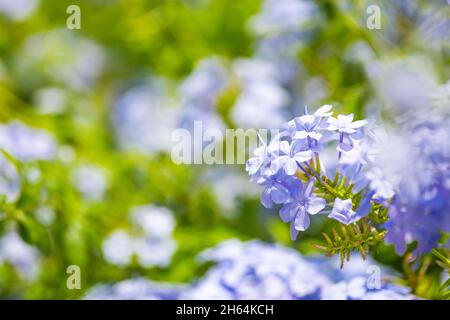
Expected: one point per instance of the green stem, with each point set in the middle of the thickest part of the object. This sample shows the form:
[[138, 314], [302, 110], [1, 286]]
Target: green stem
[[329, 188]]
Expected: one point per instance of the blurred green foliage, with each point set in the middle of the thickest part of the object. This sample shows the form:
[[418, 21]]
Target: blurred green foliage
[[163, 38]]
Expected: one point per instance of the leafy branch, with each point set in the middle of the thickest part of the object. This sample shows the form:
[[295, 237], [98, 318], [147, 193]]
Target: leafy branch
[[443, 262], [6, 207], [357, 236]]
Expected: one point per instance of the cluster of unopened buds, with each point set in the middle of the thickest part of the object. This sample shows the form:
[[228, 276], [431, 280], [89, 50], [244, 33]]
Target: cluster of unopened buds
[[294, 174]]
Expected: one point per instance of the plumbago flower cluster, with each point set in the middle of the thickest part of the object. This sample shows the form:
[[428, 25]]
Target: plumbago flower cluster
[[294, 175], [252, 270]]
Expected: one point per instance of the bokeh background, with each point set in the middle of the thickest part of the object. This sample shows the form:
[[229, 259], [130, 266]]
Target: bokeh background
[[86, 118]]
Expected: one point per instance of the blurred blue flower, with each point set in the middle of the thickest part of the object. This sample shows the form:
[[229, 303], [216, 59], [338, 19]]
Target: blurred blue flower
[[252, 270], [199, 94], [419, 208], [91, 181], [10, 184], [19, 9], [118, 248], [256, 270], [262, 96], [356, 289], [201, 88], [27, 144], [134, 289], [282, 16], [144, 118], [152, 244], [49, 56], [384, 185], [24, 257], [156, 222]]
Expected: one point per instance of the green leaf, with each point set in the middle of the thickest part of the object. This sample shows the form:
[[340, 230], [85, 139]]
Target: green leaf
[[350, 238]]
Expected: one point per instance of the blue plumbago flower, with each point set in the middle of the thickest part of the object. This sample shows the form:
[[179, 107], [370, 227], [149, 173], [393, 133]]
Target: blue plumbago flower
[[345, 124], [309, 126], [274, 192], [293, 175], [259, 165], [289, 158], [307, 132], [306, 127], [302, 204], [342, 211], [347, 129]]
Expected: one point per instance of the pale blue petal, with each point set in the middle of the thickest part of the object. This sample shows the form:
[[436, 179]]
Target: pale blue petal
[[315, 205], [302, 220], [284, 147], [303, 156], [278, 163], [290, 166], [279, 194], [294, 232], [287, 212], [358, 124], [266, 199]]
